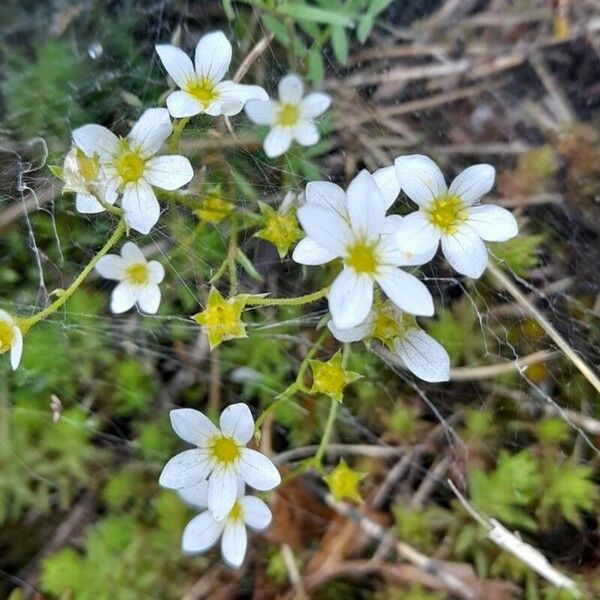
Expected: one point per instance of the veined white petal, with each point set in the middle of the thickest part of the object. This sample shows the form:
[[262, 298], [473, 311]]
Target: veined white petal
[[290, 89], [230, 90], [350, 299], [325, 227], [306, 133], [256, 513], [328, 195], [262, 113], [123, 297], [177, 64], [234, 542], [277, 142], [236, 421], [182, 104], [195, 496], [315, 104], [423, 355], [406, 291], [168, 172], [492, 223], [308, 252], [192, 426], [353, 334], [16, 350], [415, 234], [258, 471], [95, 139], [86, 204], [420, 178], [111, 266], [213, 56], [148, 298], [141, 206], [387, 182], [185, 469], [222, 491], [156, 272], [465, 252], [473, 183], [366, 206], [151, 131], [201, 533]]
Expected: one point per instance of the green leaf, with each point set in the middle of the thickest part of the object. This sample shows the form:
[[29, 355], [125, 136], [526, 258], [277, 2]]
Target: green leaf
[[364, 28], [313, 13], [56, 171], [228, 10], [339, 43], [277, 28], [316, 68]]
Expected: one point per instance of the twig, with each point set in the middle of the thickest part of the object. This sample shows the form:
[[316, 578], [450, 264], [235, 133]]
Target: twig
[[339, 450], [293, 572]]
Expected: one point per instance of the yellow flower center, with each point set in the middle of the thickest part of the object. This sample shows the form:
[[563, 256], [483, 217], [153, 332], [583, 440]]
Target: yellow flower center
[[203, 90], [447, 213], [222, 315], [7, 336], [225, 450], [391, 324], [137, 274], [362, 258], [237, 512], [288, 115], [88, 167], [130, 166]]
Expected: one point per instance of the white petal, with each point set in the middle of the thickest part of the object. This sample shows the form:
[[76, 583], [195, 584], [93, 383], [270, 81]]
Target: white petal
[[234, 543], [192, 426], [308, 252], [387, 181], [350, 299], [420, 178], [111, 266], [88, 205], [466, 252], [236, 421], [200, 534], [177, 64], [353, 334], [181, 104], [306, 133], [261, 112], [415, 234], [222, 492], [213, 56], [185, 469], [151, 131], [406, 291], [492, 223], [148, 299], [123, 297], [156, 272], [473, 183], [326, 227], [290, 89], [366, 206], [390, 253], [168, 172], [141, 206], [16, 350], [258, 471], [328, 195], [277, 142], [132, 253], [95, 139], [315, 104], [230, 91], [423, 355], [195, 496], [256, 513]]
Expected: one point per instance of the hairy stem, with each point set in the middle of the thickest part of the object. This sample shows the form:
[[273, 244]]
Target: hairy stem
[[297, 301]]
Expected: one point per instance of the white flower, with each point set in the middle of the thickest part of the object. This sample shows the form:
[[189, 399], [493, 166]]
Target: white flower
[[220, 455], [11, 338], [202, 89], [452, 214], [291, 118], [353, 226], [138, 279], [418, 351], [131, 168], [203, 531]]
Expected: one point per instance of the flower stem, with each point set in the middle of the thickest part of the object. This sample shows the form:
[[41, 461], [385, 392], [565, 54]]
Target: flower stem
[[176, 135], [318, 458], [297, 301], [27, 323]]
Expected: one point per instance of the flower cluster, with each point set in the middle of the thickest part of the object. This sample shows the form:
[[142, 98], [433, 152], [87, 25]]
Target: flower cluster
[[213, 476]]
